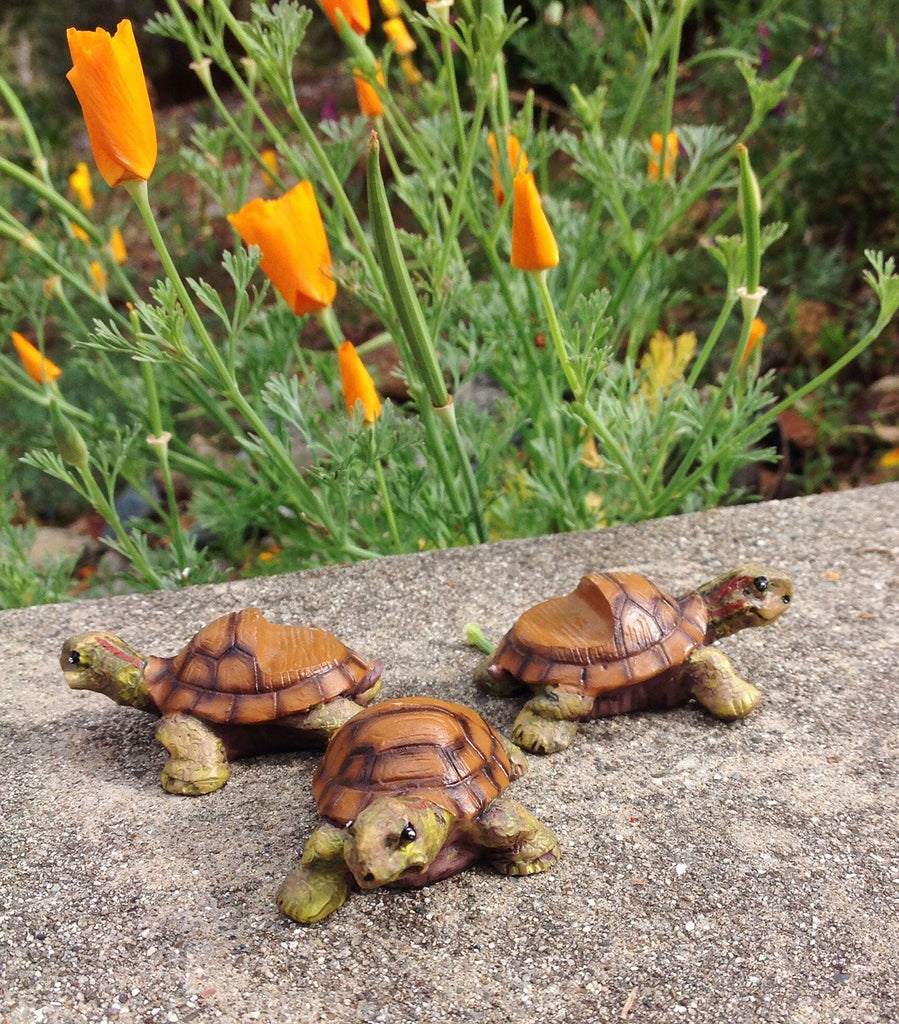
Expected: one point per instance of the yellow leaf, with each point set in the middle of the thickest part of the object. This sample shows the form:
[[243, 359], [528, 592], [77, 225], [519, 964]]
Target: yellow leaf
[[665, 362]]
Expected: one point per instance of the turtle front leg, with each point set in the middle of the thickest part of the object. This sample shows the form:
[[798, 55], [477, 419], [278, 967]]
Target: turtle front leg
[[517, 843], [198, 763], [717, 685], [548, 722], [319, 884]]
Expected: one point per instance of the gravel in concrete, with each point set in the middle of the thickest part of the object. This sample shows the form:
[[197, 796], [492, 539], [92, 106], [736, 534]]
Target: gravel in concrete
[[740, 873]]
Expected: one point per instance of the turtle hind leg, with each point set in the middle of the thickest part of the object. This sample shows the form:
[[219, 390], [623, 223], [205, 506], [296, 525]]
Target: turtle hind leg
[[325, 719], [496, 682], [717, 685], [516, 842], [548, 722], [197, 763], [319, 884]]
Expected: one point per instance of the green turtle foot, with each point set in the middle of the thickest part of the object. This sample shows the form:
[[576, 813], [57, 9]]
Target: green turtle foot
[[539, 735], [308, 895], [187, 778], [719, 687], [519, 843], [198, 763]]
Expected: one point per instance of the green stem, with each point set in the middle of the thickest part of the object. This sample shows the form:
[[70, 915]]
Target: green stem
[[286, 92], [19, 113], [668, 497], [448, 414], [105, 506], [159, 441], [331, 326], [201, 69], [593, 421], [307, 496], [451, 235], [385, 494], [822, 378], [555, 332]]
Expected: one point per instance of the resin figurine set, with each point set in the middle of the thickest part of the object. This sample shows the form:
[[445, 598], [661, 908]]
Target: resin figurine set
[[413, 790]]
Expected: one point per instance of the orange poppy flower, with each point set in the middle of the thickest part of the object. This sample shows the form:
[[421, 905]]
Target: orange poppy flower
[[518, 162], [108, 80], [369, 100], [533, 243], [357, 383], [355, 13], [757, 330], [296, 257], [671, 151], [38, 367]]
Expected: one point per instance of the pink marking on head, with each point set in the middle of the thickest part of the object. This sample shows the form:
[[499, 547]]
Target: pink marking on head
[[117, 651]]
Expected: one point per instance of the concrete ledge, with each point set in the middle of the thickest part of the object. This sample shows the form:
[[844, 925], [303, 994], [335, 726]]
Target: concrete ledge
[[745, 872]]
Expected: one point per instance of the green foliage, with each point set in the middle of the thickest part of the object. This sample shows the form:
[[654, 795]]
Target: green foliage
[[534, 402], [24, 580]]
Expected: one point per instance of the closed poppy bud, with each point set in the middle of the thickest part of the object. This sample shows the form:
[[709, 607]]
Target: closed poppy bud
[[100, 276], [355, 13], [40, 369], [296, 257], [108, 80], [518, 163], [533, 243], [270, 158], [79, 232], [357, 383], [412, 75], [390, 8], [369, 101], [69, 442], [80, 184], [667, 164], [396, 31]]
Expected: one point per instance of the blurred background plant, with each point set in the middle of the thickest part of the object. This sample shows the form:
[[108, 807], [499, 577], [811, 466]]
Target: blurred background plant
[[646, 374]]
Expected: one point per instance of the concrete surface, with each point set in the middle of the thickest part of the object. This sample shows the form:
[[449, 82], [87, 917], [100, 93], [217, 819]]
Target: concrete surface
[[711, 872]]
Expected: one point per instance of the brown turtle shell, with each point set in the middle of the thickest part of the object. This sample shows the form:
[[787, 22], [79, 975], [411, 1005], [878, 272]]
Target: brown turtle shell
[[242, 668], [615, 629], [438, 751]]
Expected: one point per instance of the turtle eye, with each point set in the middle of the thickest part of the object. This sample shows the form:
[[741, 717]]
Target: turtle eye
[[74, 658], [408, 835], [760, 583], [786, 599]]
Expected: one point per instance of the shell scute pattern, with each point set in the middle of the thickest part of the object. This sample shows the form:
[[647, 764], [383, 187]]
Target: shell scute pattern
[[613, 630], [438, 751], [242, 668]]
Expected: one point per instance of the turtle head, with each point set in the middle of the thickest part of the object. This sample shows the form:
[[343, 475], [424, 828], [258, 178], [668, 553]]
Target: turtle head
[[395, 838], [106, 664], [750, 595]]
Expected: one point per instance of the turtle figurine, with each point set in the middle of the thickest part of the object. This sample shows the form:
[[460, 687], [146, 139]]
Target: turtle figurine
[[410, 792], [241, 686], [619, 643]]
